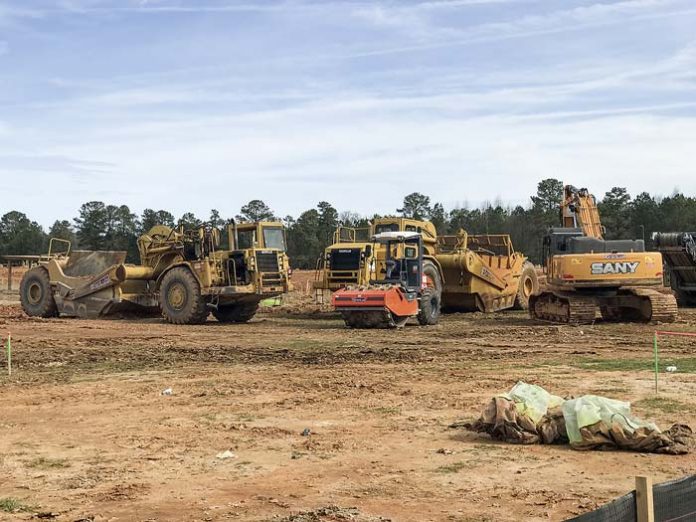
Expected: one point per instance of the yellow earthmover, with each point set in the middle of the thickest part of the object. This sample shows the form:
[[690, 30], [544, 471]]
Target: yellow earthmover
[[484, 273], [187, 274], [351, 259], [586, 272], [469, 272]]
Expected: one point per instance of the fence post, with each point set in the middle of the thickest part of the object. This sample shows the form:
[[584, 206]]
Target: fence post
[[9, 276], [657, 362], [644, 500]]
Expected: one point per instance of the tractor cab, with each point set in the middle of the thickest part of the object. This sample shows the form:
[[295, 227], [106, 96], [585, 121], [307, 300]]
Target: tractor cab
[[403, 262], [261, 234]]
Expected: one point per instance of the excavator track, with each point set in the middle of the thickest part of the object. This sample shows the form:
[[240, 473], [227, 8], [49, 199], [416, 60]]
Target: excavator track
[[563, 308], [631, 305], [663, 306], [363, 319]]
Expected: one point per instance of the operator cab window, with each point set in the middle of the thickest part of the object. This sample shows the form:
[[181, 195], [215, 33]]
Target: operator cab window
[[246, 239], [393, 227], [273, 237]]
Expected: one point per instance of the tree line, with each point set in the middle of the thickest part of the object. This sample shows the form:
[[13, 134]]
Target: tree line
[[100, 226]]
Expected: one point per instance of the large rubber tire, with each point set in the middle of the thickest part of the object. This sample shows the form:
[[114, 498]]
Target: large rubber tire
[[527, 286], [429, 307], [36, 295], [180, 298], [431, 297], [237, 313]]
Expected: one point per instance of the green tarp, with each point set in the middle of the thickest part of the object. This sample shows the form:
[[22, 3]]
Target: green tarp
[[528, 414]]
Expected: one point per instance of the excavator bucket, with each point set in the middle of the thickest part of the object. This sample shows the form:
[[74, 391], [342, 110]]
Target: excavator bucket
[[379, 307]]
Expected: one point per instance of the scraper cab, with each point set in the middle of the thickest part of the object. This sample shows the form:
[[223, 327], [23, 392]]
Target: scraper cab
[[398, 289]]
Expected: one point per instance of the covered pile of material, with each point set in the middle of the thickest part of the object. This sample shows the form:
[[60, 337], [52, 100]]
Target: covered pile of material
[[528, 414]]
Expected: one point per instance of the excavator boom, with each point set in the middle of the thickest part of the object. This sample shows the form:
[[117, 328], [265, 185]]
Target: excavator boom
[[579, 210]]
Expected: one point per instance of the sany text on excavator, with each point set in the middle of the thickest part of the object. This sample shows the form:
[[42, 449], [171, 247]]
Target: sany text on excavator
[[586, 272], [401, 292]]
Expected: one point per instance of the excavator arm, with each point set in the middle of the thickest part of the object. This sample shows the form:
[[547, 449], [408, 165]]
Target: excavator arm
[[579, 210]]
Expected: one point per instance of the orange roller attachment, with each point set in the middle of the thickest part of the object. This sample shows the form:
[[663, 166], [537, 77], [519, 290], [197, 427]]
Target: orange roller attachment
[[392, 298], [388, 306]]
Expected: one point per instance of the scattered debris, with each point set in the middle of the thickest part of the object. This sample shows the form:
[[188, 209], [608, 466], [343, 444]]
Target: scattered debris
[[227, 454], [671, 369], [444, 451], [306, 432], [333, 514], [168, 391]]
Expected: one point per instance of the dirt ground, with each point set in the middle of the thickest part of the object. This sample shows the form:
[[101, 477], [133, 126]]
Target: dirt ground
[[321, 423]]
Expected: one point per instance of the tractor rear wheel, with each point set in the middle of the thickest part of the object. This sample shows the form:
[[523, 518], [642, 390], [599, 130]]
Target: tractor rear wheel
[[431, 297], [236, 313], [36, 295], [180, 296], [429, 307], [528, 285]]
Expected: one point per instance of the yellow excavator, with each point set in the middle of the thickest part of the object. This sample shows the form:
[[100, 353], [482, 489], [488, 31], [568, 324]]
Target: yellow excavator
[[584, 272]]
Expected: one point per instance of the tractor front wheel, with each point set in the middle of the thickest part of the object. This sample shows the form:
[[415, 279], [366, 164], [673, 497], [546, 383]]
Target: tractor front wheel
[[181, 301], [36, 295]]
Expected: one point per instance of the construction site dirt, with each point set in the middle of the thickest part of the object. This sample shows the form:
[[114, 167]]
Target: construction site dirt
[[293, 417]]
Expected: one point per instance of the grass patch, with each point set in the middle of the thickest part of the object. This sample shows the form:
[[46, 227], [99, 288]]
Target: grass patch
[[684, 364], [663, 405], [387, 410], [610, 390], [453, 468], [247, 417], [14, 505], [48, 463], [209, 417]]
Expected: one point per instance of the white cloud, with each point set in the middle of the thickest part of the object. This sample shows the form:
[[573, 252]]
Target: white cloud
[[558, 21], [8, 14], [293, 131], [292, 158]]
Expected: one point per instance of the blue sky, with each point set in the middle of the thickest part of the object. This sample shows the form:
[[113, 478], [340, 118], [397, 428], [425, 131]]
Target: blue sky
[[192, 105]]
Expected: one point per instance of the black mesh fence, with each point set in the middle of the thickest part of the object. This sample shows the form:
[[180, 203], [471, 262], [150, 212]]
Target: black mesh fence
[[673, 501]]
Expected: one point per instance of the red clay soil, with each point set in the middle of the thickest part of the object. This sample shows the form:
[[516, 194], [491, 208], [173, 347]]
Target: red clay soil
[[322, 423]]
